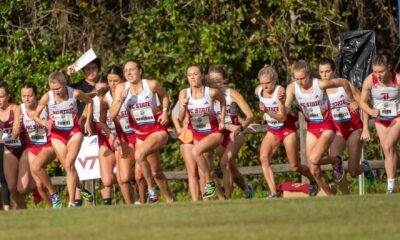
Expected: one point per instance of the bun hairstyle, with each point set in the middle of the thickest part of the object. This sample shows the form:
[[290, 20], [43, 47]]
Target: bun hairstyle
[[268, 71], [58, 77]]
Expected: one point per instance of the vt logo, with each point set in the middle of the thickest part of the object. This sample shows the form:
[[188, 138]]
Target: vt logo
[[89, 161]]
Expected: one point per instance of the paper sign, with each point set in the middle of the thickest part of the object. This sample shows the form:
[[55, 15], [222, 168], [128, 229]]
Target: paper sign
[[86, 58], [87, 161]]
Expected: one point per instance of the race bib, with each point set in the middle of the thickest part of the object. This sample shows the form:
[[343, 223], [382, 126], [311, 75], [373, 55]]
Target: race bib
[[38, 136], [64, 121], [111, 126], [272, 122], [143, 116], [341, 114], [126, 127], [8, 140], [201, 124], [387, 110], [228, 119], [313, 113]]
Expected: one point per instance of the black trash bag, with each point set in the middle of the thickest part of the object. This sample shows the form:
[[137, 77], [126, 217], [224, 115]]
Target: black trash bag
[[356, 51]]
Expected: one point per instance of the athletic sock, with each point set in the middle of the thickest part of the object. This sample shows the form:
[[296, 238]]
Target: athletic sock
[[390, 182]]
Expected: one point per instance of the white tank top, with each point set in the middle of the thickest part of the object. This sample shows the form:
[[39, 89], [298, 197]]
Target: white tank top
[[201, 111], [231, 108], [271, 104], [143, 106], [63, 113], [386, 100], [339, 105], [314, 104], [122, 117], [37, 134]]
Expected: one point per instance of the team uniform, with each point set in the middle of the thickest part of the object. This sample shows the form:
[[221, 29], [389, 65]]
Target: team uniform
[[103, 138], [121, 123], [15, 146], [231, 116], [279, 129], [143, 111], [345, 121], [202, 118], [315, 106], [64, 115], [38, 137], [386, 100]]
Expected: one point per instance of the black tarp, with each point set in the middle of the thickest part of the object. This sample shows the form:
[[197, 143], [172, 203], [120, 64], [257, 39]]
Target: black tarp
[[356, 51]]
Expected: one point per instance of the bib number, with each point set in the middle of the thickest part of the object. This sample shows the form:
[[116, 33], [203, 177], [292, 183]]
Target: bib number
[[313, 114], [111, 125], [387, 110], [201, 124], [38, 136], [341, 114], [126, 127], [8, 140], [272, 122], [64, 121], [143, 116]]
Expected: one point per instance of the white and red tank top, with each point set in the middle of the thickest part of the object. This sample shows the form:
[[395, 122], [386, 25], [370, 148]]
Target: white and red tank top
[[271, 104], [122, 118], [231, 115], [64, 114], [315, 104], [386, 99], [201, 112], [37, 134], [96, 117], [142, 108], [339, 105]]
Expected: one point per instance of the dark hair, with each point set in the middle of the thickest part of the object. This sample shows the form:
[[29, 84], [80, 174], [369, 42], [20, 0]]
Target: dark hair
[[4, 86], [31, 86], [218, 69], [103, 79], [196, 65], [116, 70], [139, 66], [327, 61], [383, 58], [96, 61]]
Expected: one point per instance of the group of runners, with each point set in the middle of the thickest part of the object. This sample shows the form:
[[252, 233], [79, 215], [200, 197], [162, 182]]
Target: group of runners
[[130, 114]]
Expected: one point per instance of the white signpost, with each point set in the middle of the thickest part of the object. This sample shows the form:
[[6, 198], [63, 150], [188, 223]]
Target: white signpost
[[87, 161]]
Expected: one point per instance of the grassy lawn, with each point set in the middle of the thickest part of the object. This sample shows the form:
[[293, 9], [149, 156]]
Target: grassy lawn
[[370, 217]]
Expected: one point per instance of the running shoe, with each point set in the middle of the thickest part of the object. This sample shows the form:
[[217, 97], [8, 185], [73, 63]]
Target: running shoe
[[55, 200], [389, 191], [152, 196], [137, 203], [210, 190], [249, 191], [36, 196], [313, 189], [338, 170], [71, 205], [369, 175], [86, 195], [272, 196]]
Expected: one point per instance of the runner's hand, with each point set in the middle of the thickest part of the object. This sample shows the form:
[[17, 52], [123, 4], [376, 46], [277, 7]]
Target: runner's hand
[[374, 113], [88, 129], [49, 124], [163, 119], [353, 107], [365, 136], [262, 106]]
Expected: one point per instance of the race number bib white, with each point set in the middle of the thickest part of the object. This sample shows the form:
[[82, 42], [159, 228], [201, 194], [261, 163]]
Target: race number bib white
[[38, 136], [201, 124], [272, 122], [228, 119], [64, 121], [111, 126], [8, 140], [126, 127], [387, 109], [313, 113], [143, 116], [341, 114]]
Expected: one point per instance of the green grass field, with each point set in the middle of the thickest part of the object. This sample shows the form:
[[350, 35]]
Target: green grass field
[[369, 217]]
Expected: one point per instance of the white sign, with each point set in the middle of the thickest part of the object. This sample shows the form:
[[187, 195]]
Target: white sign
[[87, 161], [86, 58]]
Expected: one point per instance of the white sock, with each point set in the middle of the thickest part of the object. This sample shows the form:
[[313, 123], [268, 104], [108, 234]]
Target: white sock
[[390, 182]]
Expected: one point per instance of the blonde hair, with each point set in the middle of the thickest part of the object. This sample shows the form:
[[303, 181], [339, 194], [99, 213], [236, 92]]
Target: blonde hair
[[58, 77], [268, 71], [302, 65]]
